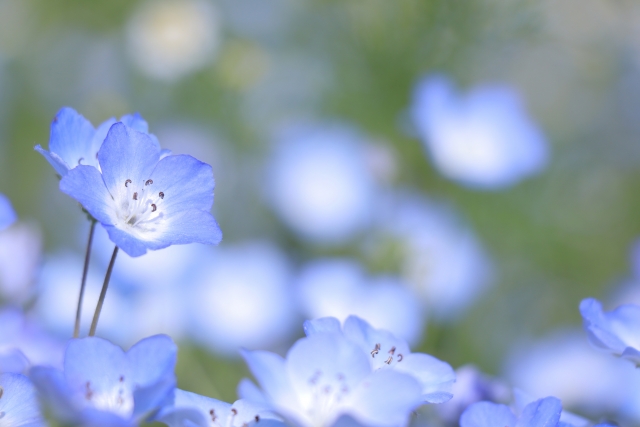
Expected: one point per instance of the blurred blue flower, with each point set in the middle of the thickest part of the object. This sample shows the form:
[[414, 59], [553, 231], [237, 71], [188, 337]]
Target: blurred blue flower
[[143, 200], [484, 139], [7, 214], [324, 378], [320, 183], [541, 413], [20, 256], [339, 288], [19, 402], [190, 409], [74, 140], [101, 385], [241, 296], [617, 331], [387, 351]]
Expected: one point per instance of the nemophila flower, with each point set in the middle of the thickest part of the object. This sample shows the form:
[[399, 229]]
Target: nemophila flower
[[320, 183], [241, 296], [143, 200], [541, 413], [617, 331], [340, 288], [74, 141], [101, 385], [19, 402], [20, 253], [7, 214], [324, 378], [190, 409], [483, 139], [387, 351]]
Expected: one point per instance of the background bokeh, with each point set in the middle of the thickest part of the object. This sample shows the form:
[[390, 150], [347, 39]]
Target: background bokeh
[[239, 83]]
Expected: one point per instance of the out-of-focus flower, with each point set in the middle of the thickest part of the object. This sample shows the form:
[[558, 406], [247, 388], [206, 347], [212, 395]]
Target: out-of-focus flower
[[242, 298], [101, 385], [19, 402], [169, 39], [339, 288], [142, 200], [437, 254], [20, 252], [390, 352], [617, 331], [7, 214], [471, 386], [24, 342], [326, 377], [484, 139], [320, 182], [541, 413], [191, 409], [74, 141]]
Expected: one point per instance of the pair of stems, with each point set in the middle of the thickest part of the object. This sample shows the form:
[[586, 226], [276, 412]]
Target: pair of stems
[[103, 292]]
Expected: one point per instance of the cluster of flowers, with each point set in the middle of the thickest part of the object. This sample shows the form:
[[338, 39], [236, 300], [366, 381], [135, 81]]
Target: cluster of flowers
[[339, 374]]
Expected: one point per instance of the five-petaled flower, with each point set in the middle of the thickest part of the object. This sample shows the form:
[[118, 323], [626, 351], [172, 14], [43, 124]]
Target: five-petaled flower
[[144, 200]]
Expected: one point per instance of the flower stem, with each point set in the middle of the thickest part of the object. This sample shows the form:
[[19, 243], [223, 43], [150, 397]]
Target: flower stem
[[103, 293], [76, 329]]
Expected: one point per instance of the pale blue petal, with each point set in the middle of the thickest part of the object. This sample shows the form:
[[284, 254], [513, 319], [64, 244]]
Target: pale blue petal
[[101, 135], [247, 390], [541, 413], [57, 396], [270, 372], [71, 138], [487, 414], [19, 403], [251, 414], [324, 324], [54, 160], [7, 214], [92, 417], [135, 121], [84, 183], [126, 154], [125, 241], [386, 400], [13, 360], [615, 330], [187, 183], [191, 409], [368, 338], [192, 226], [435, 376], [148, 400]]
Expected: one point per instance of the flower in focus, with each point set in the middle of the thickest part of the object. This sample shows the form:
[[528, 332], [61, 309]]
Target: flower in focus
[[241, 297], [143, 200], [321, 184], [541, 413], [189, 409], [387, 351], [19, 402], [484, 139], [340, 288], [617, 331], [7, 214], [325, 378], [101, 385], [74, 141], [172, 38]]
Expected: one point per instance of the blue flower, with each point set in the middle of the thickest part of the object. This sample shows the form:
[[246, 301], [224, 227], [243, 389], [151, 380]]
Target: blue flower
[[484, 139], [7, 214], [189, 409], [74, 140], [617, 331], [541, 413], [324, 378], [385, 351], [143, 200], [19, 402], [101, 385]]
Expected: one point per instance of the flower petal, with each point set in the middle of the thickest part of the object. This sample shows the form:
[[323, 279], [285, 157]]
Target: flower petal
[[71, 138], [487, 414], [324, 324], [247, 390], [541, 413], [132, 246], [179, 228], [368, 338], [54, 160], [84, 183], [13, 360], [55, 393], [435, 376], [7, 214], [19, 403], [126, 154]]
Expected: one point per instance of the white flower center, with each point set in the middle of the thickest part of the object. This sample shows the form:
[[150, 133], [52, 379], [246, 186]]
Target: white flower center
[[118, 400], [327, 394], [142, 206]]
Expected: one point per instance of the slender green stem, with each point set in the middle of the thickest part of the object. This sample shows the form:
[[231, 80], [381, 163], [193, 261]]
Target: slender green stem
[[76, 329], [103, 293]]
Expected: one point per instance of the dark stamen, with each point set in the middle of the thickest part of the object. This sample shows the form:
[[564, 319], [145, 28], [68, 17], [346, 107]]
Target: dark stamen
[[234, 411], [80, 160], [135, 196], [257, 417], [389, 360], [148, 182], [1, 392], [127, 182], [400, 357], [121, 378], [375, 350], [213, 415], [392, 351], [161, 194], [153, 207], [88, 394]]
